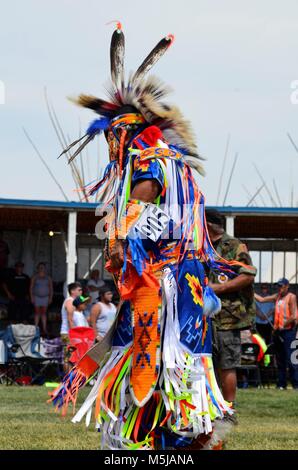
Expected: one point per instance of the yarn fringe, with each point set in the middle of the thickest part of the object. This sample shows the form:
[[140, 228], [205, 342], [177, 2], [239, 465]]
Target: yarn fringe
[[185, 406]]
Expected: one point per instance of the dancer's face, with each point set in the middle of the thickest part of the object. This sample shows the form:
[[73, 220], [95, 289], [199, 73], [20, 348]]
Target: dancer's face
[[113, 146], [114, 142]]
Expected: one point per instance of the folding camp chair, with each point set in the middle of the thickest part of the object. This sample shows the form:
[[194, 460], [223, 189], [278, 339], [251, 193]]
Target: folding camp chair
[[52, 349], [24, 359], [52, 352], [3, 356], [81, 339]]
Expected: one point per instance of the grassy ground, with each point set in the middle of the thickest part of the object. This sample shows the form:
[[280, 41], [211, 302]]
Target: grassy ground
[[268, 419]]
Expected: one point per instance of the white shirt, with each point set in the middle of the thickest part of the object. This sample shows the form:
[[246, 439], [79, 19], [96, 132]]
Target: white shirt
[[97, 284], [105, 318], [79, 319], [64, 320]]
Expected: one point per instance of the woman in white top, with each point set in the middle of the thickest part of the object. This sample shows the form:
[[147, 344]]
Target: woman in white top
[[103, 314]]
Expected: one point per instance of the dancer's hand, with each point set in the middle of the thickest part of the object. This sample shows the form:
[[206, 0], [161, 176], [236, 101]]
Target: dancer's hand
[[117, 255]]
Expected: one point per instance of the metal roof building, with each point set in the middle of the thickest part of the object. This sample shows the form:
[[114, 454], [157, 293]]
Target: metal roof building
[[63, 234]]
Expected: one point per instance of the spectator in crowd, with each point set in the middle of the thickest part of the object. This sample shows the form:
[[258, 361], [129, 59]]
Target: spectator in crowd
[[285, 327], [264, 316], [103, 314], [41, 293], [4, 253], [17, 289], [238, 306], [94, 285], [74, 290], [77, 317]]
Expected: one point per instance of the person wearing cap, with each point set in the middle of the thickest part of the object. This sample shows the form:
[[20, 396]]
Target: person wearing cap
[[103, 313], [285, 327], [238, 305], [76, 317], [17, 289]]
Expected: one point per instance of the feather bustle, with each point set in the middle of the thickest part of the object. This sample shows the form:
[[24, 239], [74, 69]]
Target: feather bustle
[[98, 105]]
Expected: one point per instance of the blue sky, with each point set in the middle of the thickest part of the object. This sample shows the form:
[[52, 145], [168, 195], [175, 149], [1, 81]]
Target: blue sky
[[231, 67]]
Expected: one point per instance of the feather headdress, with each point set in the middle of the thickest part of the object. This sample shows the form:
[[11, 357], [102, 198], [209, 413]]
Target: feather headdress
[[145, 94]]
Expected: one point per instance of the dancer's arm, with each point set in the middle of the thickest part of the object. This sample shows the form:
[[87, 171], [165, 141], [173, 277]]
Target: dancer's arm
[[145, 191]]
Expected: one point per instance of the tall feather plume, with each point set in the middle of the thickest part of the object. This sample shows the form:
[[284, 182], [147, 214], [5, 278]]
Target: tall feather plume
[[153, 57], [87, 138], [145, 94], [117, 51], [96, 127]]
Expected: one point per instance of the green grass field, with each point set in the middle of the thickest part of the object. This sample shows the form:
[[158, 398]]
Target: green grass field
[[268, 419]]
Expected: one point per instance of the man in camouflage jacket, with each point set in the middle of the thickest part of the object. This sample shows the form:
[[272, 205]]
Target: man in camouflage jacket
[[238, 305]]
